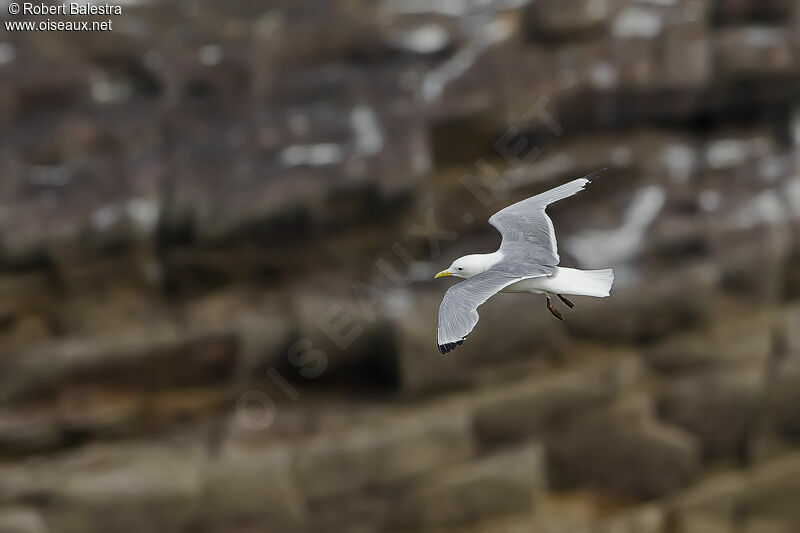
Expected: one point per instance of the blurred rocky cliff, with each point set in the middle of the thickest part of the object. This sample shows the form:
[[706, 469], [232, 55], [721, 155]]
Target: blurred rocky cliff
[[218, 228]]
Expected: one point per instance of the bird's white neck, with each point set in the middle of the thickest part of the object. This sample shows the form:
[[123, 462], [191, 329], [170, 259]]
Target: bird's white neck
[[489, 260], [483, 262]]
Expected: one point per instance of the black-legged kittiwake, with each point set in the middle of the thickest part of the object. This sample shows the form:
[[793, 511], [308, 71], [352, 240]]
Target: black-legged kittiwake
[[526, 262]]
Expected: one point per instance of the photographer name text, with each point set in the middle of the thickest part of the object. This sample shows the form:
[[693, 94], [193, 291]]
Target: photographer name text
[[67, 10], [73, 8]]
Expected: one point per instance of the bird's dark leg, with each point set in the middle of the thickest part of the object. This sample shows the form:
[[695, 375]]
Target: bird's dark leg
[[553, 310], [566, 301]]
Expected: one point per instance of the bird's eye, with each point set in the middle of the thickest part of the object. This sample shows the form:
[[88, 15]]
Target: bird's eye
[[460, 268]]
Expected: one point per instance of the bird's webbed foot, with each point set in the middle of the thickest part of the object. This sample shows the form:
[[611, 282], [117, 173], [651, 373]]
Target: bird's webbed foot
[[566, 301], [553, 310]]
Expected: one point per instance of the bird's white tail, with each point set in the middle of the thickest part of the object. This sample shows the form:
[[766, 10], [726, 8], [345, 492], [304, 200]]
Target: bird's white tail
[[595, 283]]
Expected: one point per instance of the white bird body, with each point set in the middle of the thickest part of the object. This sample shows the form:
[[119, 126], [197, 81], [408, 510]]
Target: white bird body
[[564, 280], [526, 262], [570, 281]]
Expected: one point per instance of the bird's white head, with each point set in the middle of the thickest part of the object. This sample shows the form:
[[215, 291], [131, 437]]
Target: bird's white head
[[466, 267]]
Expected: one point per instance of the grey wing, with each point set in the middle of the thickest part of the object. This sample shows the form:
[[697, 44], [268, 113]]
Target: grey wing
[[528, 233], [458, 312]]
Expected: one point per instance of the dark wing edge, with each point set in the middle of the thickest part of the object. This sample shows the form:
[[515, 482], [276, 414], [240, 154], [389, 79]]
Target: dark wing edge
[[450, 346]]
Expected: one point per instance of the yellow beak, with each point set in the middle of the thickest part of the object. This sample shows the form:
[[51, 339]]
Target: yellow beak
[[442, 274]]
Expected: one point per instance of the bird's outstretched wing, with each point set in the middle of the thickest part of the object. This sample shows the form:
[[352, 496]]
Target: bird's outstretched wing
[[528, 234], [458, 312]]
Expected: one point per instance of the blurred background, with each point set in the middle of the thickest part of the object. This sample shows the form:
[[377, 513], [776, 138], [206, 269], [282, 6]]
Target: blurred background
[[220, 221]]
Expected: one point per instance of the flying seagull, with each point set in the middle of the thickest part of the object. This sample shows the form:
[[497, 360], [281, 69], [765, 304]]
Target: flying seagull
[[526, 262]]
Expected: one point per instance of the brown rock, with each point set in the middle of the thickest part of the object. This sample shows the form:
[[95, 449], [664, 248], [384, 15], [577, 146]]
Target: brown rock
[[21, 520], [773, 490], [719, 408], [153, 357], [263, 332], [248, 486], [785, 394], [687, 59], [783, 404], [730, 341], [646, 519], [503, 484], [361, 512], [84, 411], [703, 523], [137, 488], [764, 497], [718, 495], [554, 19], [374, 455], [737, 11], [529, 407], [622, 450], [753, 51], [768, 524], [23, 432]]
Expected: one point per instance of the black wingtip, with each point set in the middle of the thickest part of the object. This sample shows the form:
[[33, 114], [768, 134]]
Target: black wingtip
[[449, 346], [592, 175]]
